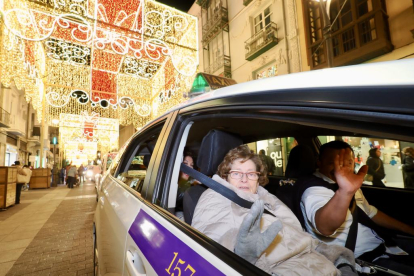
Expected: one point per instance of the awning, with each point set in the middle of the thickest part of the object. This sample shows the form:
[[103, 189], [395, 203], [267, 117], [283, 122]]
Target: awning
[[205, 83]]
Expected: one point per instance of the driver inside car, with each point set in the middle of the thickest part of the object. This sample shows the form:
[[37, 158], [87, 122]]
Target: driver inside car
[[274, 242], [326, 208]]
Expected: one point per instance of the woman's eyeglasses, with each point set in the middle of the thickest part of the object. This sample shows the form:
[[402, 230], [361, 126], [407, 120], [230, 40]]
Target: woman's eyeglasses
[[239, 175]]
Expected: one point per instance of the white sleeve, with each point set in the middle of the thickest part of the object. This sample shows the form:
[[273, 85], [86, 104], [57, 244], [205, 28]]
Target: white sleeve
[[362, 202], [313, 199]]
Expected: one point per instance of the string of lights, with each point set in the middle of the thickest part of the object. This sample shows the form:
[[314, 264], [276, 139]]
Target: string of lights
[[124, 61]]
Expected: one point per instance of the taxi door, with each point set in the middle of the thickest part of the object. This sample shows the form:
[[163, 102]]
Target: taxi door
[[158, 243], [119, 198]]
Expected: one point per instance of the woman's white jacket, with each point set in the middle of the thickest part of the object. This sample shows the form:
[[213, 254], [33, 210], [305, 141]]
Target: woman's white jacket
[[293, 252]]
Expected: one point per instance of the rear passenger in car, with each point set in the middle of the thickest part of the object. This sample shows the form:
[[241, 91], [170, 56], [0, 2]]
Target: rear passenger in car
[[184, 183], [274, 242], [326, 199]]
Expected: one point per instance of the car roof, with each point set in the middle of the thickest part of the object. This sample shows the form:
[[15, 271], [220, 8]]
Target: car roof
[[379, 75], [390, 73]]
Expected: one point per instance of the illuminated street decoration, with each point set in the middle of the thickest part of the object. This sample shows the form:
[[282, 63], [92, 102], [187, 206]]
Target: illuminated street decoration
[[89, 133], [125, 60]]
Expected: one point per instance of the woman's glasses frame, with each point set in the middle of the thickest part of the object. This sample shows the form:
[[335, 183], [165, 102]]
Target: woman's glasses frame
[[239, 175]]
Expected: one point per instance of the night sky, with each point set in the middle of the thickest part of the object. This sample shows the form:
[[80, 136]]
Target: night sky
[[182, 5]]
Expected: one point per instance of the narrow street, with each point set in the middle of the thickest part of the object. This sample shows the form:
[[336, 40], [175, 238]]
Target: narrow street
[[49, 232]]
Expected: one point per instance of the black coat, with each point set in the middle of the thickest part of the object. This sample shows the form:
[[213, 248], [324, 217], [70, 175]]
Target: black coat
[[408, 171], [376, 169]]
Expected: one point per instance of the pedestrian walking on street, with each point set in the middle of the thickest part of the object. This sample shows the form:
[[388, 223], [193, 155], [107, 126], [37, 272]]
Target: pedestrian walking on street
[[376, 167], [72, 173], [268, 161], [28, 173], [408, 167], [62, 175], [21, 178], [80, 173]]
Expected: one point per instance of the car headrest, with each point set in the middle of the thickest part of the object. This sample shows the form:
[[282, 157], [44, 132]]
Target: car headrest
[[301, 162], [215, 145]]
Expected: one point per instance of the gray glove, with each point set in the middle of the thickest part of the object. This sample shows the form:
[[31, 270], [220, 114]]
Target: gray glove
[[250, 242], [341, 257]]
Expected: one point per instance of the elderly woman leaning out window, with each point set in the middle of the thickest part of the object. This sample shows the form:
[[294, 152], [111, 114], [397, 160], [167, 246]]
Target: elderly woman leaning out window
[[273, 242]]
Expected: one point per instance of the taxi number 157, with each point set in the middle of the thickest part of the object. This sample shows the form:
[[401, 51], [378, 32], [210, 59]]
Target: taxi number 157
[[177, 268]]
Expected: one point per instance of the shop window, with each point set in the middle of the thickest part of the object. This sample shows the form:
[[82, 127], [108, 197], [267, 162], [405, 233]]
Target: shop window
[[391, 156], [277, 150], [269, 71]]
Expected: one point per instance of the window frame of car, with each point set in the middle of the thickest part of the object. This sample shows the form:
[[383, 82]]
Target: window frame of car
[[231, 259], [161, 183], [340, 119], [128, 151]]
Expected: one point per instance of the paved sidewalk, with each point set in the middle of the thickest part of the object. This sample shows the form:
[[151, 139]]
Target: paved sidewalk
[[49, 233]]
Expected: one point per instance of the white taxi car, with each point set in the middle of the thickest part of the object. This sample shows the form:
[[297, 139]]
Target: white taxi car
[[137, 230]]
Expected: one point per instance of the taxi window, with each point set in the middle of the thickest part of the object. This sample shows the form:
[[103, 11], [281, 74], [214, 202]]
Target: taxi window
[[396, 168], [135, 161]]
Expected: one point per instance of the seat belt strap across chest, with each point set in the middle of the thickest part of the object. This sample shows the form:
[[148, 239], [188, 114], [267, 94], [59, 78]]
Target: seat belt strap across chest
[[217, 187]]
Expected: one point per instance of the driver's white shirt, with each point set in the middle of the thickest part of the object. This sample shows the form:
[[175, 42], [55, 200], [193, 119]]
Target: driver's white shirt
[[316, 197]]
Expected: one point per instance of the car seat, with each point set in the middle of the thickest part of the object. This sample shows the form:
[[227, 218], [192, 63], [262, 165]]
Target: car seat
[[301, 162], [215, 145]]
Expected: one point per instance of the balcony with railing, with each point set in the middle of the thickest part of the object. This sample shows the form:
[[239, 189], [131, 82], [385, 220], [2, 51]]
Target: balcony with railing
[[261, 41], [15, 127], [247, 2], [4, 118], [218, 22], [221, 66]]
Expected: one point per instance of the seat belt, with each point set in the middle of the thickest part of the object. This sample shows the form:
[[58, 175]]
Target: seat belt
[[353, 229], [217, 187]]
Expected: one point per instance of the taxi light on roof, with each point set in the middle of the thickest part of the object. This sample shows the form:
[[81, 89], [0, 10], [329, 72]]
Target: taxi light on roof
[[200, 84]]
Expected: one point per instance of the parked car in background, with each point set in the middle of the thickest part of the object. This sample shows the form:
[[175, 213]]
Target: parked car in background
[[137, 230], [92, 171]]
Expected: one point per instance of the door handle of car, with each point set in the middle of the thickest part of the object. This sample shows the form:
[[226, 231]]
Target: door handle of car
[[134, 264]]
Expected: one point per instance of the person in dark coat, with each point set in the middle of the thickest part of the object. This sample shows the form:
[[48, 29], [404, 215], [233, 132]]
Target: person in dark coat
[[268, 161], [376, 167], [62, 175], [408, 167]]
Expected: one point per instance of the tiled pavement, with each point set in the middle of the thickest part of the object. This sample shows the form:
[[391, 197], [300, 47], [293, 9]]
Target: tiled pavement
[[49, 233]]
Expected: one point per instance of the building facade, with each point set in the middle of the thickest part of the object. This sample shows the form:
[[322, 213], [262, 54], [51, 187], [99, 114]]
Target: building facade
[[362, 31], [20, 131], [246, 40]]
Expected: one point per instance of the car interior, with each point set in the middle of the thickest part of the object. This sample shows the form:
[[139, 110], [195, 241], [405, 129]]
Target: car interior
[[210, 138], [136, 164], [291, 139]]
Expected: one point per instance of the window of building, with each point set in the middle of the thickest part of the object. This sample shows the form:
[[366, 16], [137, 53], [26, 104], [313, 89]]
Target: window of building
[[262, 20]]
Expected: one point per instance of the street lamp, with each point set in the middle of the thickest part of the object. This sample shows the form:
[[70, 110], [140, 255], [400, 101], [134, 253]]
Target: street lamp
[[327, 33]]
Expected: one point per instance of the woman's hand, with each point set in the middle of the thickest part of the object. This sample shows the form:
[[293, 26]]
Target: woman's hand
[[250, 242], [347, 180]]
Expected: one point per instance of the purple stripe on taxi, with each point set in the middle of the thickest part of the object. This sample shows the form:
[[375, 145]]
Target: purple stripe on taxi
[[167, 254]]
